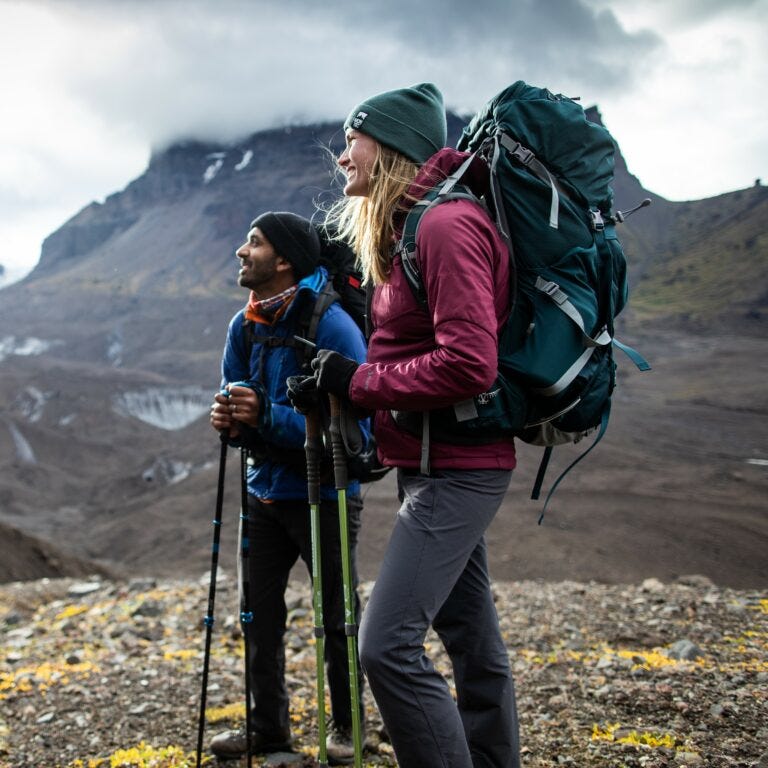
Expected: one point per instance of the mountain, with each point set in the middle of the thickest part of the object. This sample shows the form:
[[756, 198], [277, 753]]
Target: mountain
[[698, 265], [709, 265], [110, 351], [27, 557]]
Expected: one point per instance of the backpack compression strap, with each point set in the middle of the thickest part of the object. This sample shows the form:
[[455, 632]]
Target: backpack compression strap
[[525, 157], [548, 453]]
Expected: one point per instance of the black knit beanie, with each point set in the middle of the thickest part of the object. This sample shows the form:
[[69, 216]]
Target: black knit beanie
[[293, 237], [410, 120]]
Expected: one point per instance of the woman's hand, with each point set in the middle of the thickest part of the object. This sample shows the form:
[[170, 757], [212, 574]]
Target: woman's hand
[[334, 372]]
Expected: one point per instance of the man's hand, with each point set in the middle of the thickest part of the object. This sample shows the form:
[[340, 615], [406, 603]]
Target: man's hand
[[236, 404], [334, 372], [243, 404], [303, 394], [221, 420]]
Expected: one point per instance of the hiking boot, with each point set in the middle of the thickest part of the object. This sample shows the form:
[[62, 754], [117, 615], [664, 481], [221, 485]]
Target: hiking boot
[[339, 745], [232, 744]]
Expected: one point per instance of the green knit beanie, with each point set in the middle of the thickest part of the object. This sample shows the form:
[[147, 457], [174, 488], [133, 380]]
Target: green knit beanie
[[409, 120]]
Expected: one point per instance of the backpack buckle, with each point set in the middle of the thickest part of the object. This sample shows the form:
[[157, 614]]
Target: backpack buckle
[[517, 151], [522, 154], [549, 287], [597, 221]]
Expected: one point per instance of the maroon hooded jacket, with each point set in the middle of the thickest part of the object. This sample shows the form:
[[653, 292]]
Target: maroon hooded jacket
[[418, 360]]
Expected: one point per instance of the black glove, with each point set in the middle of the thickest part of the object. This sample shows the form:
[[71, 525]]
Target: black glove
[[303, 394], [333, 372]]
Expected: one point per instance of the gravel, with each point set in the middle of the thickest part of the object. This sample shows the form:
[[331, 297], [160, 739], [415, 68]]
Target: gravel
[[103, 674]]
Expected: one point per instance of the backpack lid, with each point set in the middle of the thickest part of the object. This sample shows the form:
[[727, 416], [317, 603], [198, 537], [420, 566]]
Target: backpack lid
[[555, 128]]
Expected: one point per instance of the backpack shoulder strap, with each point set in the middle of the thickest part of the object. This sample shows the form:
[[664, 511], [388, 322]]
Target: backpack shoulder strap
[[450, 189], [325, 298], [305, 325], [248, 337]]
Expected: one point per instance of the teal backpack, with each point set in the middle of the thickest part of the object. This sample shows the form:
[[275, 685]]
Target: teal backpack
[[550, 196]]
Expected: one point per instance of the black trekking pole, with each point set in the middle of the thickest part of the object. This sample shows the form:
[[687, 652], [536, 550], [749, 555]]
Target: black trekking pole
[[313, 446], [246, 616], [350, 623], [211, 594]]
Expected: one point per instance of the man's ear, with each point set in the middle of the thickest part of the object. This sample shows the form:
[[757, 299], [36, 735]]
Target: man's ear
[[283, 265]]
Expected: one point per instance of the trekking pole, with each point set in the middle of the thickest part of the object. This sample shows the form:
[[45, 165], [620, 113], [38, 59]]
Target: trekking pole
[[313, 445], [246, 616], [211, 594], [350, 624]]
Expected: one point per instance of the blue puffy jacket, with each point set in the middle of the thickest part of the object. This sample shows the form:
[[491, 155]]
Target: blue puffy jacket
[[280, 427]]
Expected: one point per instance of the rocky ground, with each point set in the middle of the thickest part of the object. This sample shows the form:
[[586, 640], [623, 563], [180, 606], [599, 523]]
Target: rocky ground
[[97, 673]]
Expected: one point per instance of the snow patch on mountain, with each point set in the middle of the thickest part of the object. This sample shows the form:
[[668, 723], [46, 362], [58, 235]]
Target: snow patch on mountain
[[167, 471], [210, 172], [171, 408], [10, 345], [24, 451], [115, 348], [247, 157], [31, 403]]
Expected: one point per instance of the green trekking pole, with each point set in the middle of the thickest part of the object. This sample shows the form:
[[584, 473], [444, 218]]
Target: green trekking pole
[[350, 625], [313, 446]]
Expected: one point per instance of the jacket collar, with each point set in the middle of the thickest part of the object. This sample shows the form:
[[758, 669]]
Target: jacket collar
[[311, 284]]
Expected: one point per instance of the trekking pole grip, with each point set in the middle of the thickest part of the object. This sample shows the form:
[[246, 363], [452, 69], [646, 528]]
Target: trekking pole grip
[[337, 442], [313, 446]]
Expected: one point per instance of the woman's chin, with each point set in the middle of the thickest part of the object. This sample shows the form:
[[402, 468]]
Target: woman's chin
[[353, 189]]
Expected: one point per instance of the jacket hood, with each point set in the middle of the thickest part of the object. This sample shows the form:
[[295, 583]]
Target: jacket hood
[[314, 282]]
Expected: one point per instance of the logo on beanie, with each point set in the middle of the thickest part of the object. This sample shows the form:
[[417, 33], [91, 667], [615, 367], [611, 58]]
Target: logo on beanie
[[359, 119]]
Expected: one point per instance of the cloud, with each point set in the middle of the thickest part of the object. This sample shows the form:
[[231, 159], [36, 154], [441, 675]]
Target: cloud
[[91, 86], [695, 119], [666, 13], [167, 70]]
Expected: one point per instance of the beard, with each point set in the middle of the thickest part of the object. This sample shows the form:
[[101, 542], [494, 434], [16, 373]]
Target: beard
[[258, 276]]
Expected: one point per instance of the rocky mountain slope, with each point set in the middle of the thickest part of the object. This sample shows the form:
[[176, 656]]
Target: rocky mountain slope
[[708, 270], [101, 673], [110, 348], [26, 557]]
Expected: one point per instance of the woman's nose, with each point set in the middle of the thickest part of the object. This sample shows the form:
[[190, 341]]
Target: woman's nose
[[343, 159]]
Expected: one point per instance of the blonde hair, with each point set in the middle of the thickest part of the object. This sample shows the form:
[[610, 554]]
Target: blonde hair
[[368, 223]]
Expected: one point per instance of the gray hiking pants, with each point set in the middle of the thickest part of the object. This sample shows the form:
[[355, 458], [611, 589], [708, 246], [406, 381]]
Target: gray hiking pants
[[435, 572]]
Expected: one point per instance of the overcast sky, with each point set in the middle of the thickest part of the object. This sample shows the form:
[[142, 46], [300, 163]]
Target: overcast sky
[[89, 87]]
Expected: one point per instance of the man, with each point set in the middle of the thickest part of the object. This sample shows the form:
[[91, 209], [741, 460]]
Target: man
[[279, 263]]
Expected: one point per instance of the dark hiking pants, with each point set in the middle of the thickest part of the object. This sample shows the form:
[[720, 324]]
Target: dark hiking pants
[[435, 573], [279, 533]]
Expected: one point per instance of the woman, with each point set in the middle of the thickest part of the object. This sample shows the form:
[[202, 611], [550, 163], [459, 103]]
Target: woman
[[434, 570]]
